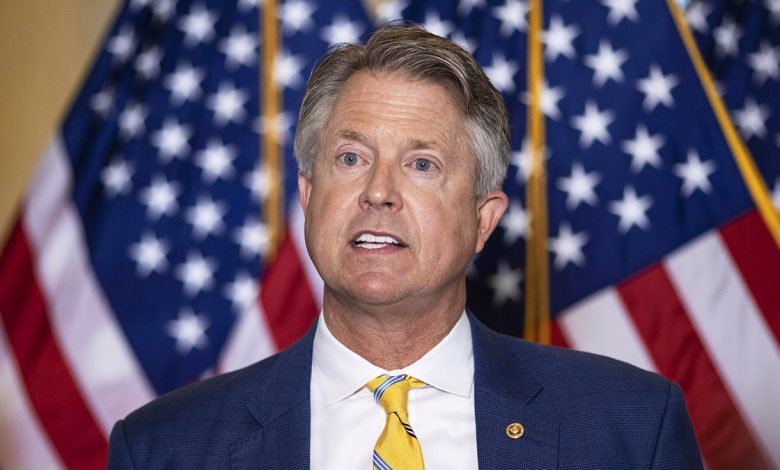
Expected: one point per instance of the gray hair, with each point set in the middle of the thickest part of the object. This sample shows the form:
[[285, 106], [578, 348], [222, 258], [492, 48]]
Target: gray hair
[[420, 55]]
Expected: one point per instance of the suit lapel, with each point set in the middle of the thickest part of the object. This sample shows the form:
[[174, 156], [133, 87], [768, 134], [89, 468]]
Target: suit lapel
[[281, 408], [503, 392]]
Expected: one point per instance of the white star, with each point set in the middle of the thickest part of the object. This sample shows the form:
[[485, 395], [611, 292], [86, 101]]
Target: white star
[[567, 247], [436, 25], [160, 197], [122, 44], [257, 183], [620, 9], [150, 255], [593, 125], [253, 238], [228, 104], [606, 64], [184, 84], [131, 120], [460, 39], [765, 63], [512, 16], [341, 31], [189, 331], [197, 274], [751, 119], [216, 160], [579, 187], [287, 70], [632, 210], [163, 9], [116, 177], [172, 140], [727, 36], [243, 292], [696, 15], [558, 39], [240, 48], [136, 5], [198, 25], [206, 217], [390, 10], [102, 102], [296, 15], [522, 161], [505, 284], [549, 100], [774, 9], [657, 88], [148, 62], [466, 6], [695, 174], [776, 194], [502, 73], [244, 5], [515, 222], [644, 149]]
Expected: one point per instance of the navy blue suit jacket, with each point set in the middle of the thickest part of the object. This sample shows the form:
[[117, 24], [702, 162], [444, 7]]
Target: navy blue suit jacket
[[578, 410]]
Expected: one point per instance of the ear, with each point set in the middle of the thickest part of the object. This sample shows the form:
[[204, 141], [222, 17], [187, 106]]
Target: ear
[[490, 208], [304, 190]]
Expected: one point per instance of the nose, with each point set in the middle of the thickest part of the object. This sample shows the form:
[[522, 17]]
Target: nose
[[381, 191]]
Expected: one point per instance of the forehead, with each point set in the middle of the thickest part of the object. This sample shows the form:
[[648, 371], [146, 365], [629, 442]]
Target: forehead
[[376, 99]]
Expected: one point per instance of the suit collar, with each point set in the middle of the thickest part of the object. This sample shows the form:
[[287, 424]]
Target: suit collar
[[280, 404], [504, 393], [498, 367]]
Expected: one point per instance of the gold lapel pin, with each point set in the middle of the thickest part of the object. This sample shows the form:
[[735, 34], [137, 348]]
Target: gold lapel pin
[[515, 431]]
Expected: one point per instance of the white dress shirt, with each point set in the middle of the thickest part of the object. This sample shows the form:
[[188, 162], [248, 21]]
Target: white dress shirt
[[346, 422]]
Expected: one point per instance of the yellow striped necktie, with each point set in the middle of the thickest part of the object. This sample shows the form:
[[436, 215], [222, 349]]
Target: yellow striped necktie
[[397, 447]]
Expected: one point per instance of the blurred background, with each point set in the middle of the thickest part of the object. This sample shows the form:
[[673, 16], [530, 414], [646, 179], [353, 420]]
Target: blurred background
[[45, 51]]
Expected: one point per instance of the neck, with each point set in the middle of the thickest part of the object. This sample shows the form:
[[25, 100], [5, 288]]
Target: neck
[[391, 336]]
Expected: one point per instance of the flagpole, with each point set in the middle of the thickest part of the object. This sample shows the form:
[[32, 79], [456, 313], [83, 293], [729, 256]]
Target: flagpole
[[271, 136], [745, 162], [537, 302]]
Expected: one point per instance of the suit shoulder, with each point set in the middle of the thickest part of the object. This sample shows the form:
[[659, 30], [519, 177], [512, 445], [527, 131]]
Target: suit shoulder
[[559, 368], [225, 394]]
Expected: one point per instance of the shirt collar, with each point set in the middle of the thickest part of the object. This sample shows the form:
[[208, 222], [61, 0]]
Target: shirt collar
[[340, 372]]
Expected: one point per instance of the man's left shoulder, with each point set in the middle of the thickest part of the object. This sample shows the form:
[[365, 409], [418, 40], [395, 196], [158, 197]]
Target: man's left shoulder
[[559, 370], [595, 409]]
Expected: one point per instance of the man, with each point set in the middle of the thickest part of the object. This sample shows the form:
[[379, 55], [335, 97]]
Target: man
[[402, 147]]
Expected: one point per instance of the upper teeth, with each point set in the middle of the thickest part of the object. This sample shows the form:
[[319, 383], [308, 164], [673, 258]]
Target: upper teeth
[[368, 238]]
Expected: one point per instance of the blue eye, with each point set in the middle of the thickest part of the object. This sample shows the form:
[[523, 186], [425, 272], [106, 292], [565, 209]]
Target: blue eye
[[349, 158], [422, 164]]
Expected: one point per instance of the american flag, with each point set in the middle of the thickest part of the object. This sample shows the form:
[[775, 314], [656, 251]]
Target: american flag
[[161, 243]]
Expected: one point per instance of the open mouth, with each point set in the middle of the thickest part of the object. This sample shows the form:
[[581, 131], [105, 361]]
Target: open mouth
[[375, 242]]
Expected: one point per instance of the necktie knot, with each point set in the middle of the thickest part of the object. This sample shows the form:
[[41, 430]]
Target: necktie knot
[[391, 392], [397, 446]]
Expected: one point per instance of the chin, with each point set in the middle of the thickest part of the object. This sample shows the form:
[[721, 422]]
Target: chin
[[374, 290]]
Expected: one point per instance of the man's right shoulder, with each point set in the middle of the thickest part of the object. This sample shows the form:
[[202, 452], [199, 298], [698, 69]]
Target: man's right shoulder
[[224, 391], [200, 425]]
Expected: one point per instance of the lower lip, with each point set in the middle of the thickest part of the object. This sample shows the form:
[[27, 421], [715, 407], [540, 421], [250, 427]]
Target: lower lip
[[381, 248]]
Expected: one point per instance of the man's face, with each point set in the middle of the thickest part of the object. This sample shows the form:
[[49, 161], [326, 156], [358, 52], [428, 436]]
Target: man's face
[[391, 216]]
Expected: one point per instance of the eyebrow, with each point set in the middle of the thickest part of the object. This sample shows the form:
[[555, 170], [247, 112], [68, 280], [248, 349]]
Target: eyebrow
[[417, 144], [353, 135]]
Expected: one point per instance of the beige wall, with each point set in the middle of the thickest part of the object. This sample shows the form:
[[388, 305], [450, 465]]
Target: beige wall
[[45, 49]]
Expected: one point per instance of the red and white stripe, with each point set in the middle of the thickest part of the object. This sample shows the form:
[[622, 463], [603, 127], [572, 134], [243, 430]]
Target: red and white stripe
[[706, 317], [67, 372], [253, 338]]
